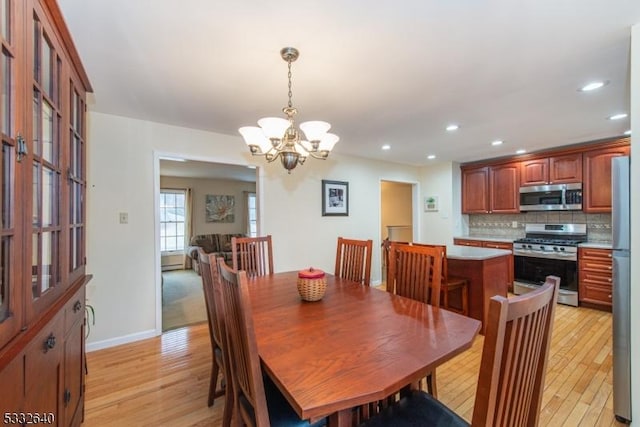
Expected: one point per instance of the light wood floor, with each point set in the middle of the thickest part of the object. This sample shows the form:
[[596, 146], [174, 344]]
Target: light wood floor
[[164, 381]]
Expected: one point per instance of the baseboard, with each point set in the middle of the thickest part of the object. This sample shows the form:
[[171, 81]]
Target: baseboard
[[126, 339]]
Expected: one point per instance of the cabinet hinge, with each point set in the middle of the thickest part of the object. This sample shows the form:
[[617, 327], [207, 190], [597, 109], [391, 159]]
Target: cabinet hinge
[[21, 148]]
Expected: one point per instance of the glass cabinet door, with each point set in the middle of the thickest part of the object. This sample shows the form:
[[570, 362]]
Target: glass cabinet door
[[44, 244], [10, 297]]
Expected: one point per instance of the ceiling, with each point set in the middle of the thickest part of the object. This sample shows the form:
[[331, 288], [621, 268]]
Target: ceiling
[[383, 72]]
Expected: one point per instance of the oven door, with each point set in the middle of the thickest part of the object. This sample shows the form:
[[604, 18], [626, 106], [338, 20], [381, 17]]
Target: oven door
[[534, 271]]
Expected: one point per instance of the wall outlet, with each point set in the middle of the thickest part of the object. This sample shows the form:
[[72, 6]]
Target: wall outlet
[[124, 218], [514, 224]]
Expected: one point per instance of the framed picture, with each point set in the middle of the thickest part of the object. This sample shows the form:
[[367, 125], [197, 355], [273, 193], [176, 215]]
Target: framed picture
[[335, 198], [431, 203], [220, 208]]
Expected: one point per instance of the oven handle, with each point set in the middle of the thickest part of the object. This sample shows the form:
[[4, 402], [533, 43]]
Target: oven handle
[[555, 255]]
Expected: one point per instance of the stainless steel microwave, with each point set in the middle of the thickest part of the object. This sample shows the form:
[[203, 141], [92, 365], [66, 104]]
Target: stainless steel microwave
[[556, 197]]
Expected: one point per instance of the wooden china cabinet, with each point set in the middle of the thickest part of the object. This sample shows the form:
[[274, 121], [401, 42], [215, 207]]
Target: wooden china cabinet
[[43, 224]]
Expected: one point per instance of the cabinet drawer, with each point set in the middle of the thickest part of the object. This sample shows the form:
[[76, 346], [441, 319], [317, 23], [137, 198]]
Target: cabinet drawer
[[74, 310], [464, 242], [44, 353], [600, 255], [598, 266], [595, 294], [498, 245], [596, 278]]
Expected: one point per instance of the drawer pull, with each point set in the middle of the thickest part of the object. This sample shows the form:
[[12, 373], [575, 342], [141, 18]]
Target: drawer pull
[[77, 306], [49, 343], [609, 255]]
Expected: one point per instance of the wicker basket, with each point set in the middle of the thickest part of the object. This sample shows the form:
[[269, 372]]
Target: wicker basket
[[311, 284]]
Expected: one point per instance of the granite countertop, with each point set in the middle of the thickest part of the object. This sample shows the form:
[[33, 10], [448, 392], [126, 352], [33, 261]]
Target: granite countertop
[[596, 245], [474, 253], [487, 238]]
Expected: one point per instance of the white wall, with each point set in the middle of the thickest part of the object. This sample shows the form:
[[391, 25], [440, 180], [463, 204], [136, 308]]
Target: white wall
[[123, 175], [442, 180], [635, 222]]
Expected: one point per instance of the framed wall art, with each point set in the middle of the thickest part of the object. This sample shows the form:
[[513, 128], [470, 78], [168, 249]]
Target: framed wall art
[[220, 208], [335, 198]]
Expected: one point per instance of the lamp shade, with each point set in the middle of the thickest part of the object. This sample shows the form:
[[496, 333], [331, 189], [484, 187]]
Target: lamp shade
[[254, 136], [315, 130], [328, 141], [273, 127]]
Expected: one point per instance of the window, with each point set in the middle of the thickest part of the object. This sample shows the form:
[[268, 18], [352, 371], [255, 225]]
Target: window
[[252, 230], [172, 220]]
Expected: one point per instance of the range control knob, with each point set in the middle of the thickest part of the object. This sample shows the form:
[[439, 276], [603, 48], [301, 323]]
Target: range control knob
[[541, 248], [561, 249], [555, 248]]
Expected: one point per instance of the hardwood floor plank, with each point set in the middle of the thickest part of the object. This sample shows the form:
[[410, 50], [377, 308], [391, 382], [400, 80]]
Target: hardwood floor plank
[[165, 380]]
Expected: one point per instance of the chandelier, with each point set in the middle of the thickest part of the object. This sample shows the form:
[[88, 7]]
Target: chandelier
[[278, 137]]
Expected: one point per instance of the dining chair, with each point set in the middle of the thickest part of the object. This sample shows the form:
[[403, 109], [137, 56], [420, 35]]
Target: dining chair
[[215, 317], [415, 272], [451, 284], [512, 369], [257, 401], [254, 255], [353, 260]]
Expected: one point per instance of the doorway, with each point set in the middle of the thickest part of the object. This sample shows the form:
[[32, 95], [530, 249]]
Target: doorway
[[397, 215], [184, 190]]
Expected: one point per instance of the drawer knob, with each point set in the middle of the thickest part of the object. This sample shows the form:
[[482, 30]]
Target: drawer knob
[[609, 296], [609, 280], [49, 343], [609, 255], [610, 267], [77, 306]]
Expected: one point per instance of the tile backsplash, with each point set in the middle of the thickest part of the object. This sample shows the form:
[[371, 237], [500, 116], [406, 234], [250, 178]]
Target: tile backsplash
[[492, 225]]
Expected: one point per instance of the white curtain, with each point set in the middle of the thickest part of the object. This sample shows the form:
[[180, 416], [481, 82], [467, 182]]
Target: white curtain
[[188, 227]]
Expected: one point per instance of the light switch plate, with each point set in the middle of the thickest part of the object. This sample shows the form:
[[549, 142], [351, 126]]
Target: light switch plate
[[124, 218]]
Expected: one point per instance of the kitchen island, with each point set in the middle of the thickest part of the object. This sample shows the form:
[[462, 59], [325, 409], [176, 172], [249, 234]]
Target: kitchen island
[[487, 271]]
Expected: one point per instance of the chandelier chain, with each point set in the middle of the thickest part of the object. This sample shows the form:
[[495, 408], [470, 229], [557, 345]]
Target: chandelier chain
[[289, 77]]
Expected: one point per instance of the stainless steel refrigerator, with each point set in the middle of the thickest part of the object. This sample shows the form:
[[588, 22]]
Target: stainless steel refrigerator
[[621, 227]]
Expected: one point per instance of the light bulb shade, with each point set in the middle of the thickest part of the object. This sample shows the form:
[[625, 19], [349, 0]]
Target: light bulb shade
[[328, 141], [253, 136], [274, 127], [315, 130]]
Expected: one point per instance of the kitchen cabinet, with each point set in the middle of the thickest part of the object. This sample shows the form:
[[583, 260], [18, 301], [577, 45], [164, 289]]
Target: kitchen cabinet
[[551, 170], [495, 245], [491, 189], [43, 224], [595, 277], [596, 188]]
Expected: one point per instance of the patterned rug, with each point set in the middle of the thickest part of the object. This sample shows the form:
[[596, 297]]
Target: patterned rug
[[182, 299]]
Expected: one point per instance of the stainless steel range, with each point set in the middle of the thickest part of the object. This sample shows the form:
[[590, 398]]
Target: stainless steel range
[[549, 249]]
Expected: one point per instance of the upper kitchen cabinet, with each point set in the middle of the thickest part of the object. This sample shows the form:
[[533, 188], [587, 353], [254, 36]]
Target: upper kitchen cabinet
[[597, 178], [491, 189], [552, 170], [475, 190]]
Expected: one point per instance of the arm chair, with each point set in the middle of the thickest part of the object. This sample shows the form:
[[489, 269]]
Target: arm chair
[[512, 369], [353, 260], [257, 401], [215, 316], [253, 255]]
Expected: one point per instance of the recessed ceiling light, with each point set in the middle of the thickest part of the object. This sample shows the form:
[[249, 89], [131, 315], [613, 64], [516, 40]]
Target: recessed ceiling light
[[627, 132], [431, 156], [386, 147], [497, 142], [452, 127], [521, 151], [618, 116], [593, 86]]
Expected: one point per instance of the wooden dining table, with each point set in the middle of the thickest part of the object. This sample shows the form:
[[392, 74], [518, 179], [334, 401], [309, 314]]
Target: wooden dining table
[[357, 345]]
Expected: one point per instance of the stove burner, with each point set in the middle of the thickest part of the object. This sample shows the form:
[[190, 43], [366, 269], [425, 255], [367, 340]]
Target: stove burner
[[539, 241]]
